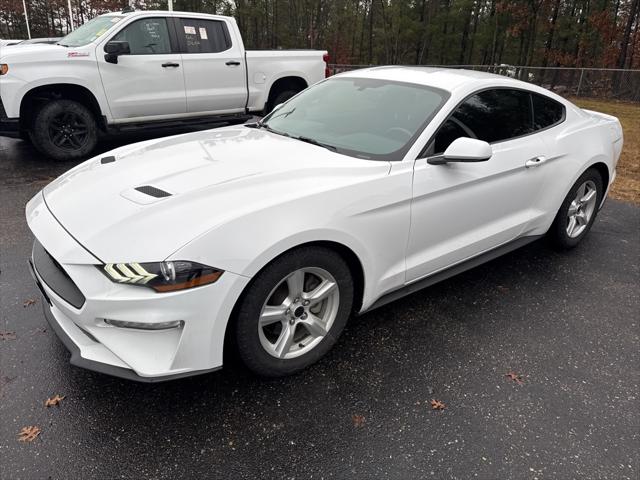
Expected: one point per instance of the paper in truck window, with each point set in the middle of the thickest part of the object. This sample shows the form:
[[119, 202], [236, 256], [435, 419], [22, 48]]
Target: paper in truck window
[[203, 33], [189, 30]]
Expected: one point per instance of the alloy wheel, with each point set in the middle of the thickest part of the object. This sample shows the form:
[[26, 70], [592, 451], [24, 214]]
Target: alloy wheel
[[298, 312], [581, 209], [68, 131]]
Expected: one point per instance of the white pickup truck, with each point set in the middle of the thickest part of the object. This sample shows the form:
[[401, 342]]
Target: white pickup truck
[[137, 69]]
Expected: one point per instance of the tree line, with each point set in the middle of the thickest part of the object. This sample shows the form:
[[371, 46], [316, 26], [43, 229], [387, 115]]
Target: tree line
[[559, 33]]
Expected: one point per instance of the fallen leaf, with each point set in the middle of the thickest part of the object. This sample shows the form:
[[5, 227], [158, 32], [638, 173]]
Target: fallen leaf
[[437, 405], [28, 302], [4, 335], [50, 402], [28, 434], [358, 420], [516, 377]]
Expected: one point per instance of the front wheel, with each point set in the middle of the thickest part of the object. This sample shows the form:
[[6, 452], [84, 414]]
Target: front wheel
[[578, 211], [294, 311], [64, 130]]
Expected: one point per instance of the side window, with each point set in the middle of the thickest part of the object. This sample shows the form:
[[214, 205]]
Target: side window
[[447, 133], [204, 36], [495, 115], [148, 36], [546, 112]]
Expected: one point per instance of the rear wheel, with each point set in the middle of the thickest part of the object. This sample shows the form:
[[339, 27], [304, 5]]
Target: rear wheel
[[578, 211], [64, 130], [280, 98], [294, 311]]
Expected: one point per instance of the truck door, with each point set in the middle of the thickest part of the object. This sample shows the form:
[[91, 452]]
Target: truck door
[[148, 82], [214, 66]]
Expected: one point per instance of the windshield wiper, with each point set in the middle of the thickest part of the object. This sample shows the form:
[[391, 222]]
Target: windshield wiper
[[266, 127], [313, 141]]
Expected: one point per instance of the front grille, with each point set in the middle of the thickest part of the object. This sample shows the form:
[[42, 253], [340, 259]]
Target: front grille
[[55, 277]]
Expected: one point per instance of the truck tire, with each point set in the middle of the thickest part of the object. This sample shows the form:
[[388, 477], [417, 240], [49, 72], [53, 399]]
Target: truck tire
[[64, 130], [280, 98]]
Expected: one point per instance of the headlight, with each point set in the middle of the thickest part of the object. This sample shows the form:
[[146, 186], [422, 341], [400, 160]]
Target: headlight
[[162, 276]]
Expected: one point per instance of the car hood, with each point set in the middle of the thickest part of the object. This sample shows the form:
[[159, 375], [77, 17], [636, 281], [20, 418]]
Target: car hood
[[33, 51], [209, 178]]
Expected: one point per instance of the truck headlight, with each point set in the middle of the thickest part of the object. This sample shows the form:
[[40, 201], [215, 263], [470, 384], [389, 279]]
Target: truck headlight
[[162, 276]]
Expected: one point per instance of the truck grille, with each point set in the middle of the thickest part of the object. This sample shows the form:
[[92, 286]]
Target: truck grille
[[55, 277]]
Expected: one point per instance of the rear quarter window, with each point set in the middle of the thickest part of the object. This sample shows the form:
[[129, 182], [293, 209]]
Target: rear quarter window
[[546, 112]]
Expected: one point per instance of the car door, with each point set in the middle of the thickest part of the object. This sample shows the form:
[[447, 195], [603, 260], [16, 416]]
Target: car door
[[460, 210], [148, 82], [214, 67]]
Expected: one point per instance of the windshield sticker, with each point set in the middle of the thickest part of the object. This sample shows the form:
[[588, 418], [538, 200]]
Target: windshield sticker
[[203, 33], [189, 30], [77, 54]]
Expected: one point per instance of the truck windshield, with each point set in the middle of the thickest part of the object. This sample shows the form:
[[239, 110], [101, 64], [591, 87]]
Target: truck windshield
[[88, 32], [361, 117]]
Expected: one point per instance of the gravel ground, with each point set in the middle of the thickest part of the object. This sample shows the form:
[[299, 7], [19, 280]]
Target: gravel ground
[[566, 322]]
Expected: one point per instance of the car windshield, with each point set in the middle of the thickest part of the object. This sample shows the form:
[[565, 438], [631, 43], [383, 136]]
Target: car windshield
[[91, 30], [361, 117]]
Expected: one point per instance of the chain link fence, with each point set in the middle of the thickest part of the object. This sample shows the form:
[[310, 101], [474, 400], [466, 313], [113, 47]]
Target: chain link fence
[[600, 83]]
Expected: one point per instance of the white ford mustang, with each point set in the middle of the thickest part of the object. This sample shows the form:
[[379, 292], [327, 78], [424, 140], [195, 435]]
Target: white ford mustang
[[361, 189]]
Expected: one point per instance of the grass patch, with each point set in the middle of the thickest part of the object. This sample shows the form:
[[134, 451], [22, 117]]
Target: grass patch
[[627, 184]]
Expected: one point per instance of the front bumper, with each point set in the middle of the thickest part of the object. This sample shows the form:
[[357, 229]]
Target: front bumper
[[149, 356]]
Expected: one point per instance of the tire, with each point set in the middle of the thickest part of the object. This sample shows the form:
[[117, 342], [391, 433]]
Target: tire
[[280, 98], [263, 348], [64, 130], [584, 211], [25, 136]]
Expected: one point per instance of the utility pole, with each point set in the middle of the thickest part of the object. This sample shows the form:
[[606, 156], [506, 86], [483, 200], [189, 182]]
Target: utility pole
[[26, 18], [70, 15], [171, 5]]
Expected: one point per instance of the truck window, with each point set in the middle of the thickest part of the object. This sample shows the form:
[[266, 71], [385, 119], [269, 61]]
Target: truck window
[[148, 36], [203, 36]]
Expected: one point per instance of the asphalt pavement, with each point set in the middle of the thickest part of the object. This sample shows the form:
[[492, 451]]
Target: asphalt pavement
[[565, 324]]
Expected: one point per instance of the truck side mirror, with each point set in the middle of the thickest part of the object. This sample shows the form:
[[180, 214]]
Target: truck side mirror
[[115, 48]]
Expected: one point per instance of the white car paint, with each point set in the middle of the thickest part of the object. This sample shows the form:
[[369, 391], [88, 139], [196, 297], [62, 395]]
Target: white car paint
[[242, 196], [139, 89]]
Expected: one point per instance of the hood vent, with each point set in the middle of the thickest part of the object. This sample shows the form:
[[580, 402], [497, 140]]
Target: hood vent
[[153, 191]]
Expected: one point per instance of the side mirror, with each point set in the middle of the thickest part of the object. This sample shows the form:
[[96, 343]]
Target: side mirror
[[463, 149], [115, 48]]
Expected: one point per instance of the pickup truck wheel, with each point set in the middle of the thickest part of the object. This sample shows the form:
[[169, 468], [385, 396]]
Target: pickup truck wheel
[[281, 98], [64, 130], [25, 136], [294, 311]]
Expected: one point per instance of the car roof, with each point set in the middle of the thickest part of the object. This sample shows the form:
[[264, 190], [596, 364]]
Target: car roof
[[449, 79]]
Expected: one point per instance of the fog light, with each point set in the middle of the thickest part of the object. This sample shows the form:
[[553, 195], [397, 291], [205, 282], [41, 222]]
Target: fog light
[[145, 326]]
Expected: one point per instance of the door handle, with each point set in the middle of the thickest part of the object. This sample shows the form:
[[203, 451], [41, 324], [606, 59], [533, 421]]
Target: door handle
[[233, 63], [535, 162], [170, 64]]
